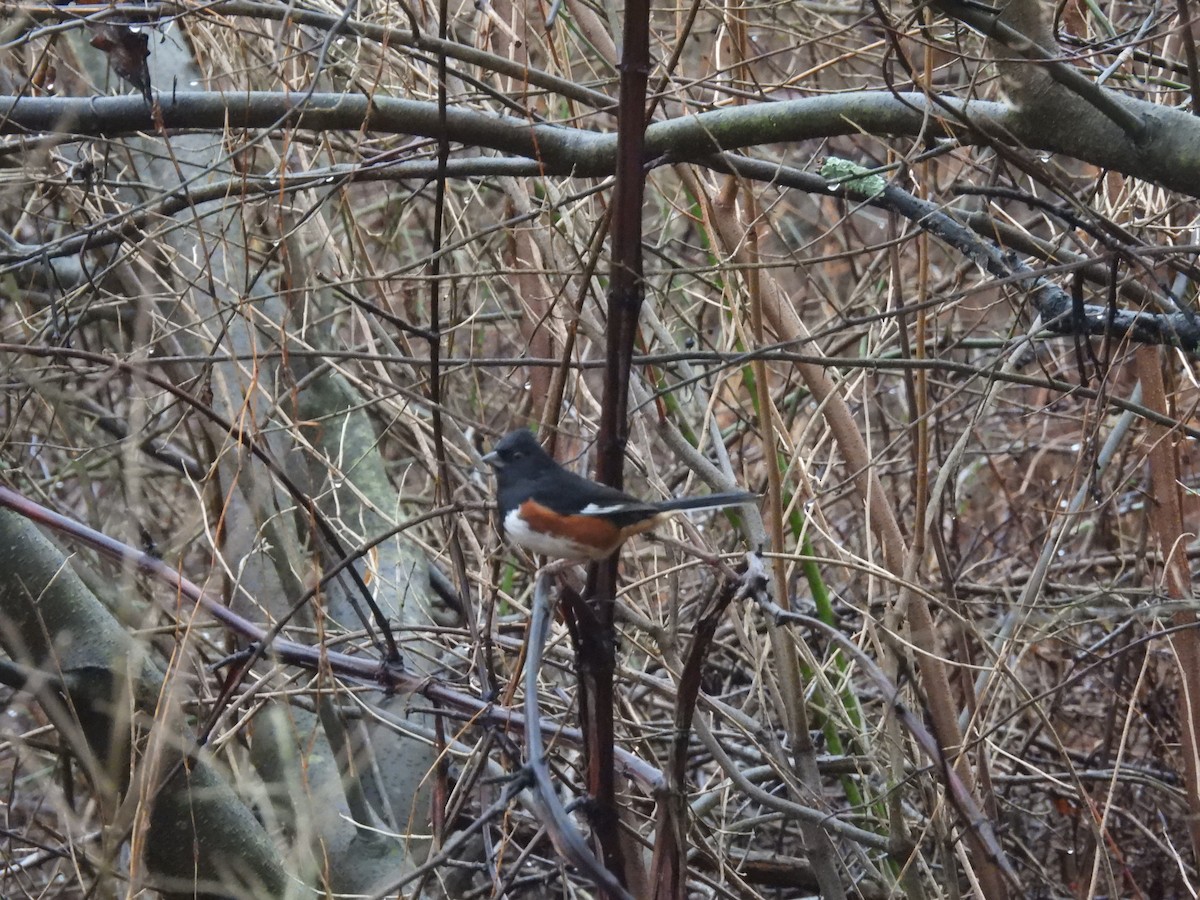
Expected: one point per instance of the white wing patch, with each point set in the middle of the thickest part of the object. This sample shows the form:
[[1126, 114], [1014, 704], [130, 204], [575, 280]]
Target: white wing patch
[[593, 509]]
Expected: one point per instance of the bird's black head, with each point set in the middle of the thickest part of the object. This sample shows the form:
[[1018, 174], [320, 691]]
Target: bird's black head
[[516, 450]]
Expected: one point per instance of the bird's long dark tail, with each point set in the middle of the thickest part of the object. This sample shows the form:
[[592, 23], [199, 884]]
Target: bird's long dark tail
[[712, 501]]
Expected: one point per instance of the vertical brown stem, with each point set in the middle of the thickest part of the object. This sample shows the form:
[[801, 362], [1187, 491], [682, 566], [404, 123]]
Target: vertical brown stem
[[1167, 519], [1189, 53], [597, 646], [625, 279]]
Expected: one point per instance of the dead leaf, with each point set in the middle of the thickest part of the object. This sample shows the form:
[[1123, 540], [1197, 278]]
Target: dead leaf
[[127, 52]]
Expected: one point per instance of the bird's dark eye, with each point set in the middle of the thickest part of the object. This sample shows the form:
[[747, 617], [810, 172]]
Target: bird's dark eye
[[517, 454]]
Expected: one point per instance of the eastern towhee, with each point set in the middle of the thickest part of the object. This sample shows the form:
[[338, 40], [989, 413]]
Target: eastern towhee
[[548, 510]]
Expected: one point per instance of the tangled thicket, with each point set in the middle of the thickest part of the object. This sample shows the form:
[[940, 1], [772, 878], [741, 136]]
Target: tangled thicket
[[252, 335]]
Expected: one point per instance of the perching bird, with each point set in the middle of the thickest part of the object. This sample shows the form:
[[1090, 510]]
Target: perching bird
[[549, 510]]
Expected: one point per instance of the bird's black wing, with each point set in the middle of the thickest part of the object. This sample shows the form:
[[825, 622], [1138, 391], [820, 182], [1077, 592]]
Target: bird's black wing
[[576, 495]]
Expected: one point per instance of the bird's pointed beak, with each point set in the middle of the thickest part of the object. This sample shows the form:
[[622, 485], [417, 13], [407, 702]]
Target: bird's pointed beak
[[492, 459]]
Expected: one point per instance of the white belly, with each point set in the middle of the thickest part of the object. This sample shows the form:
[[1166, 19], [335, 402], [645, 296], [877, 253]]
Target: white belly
[[522, 535]]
